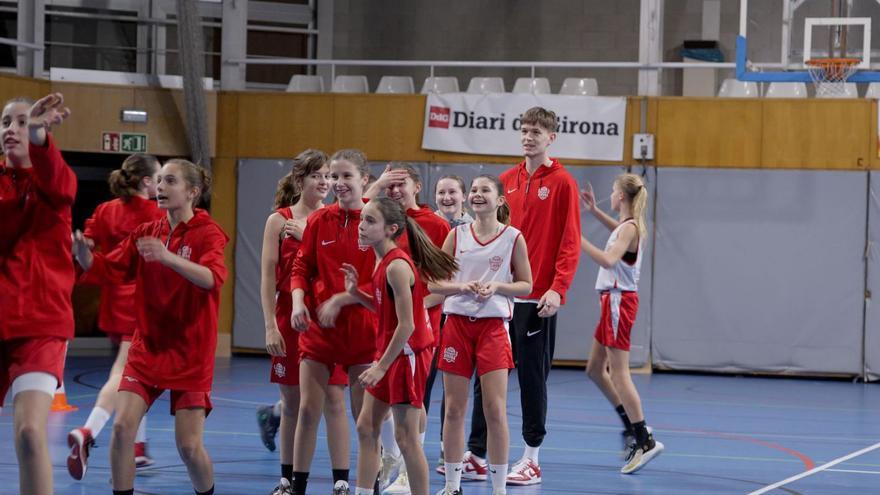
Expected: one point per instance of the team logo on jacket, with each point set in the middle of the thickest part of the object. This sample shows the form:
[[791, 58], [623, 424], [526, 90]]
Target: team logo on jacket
[[279, 369], [495, 263], [544, 192], [378, 297], [184, 252], [449, 354]]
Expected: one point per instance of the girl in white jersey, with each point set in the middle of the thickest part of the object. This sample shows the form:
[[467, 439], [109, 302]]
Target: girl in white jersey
[[617, 283], [493, 269]]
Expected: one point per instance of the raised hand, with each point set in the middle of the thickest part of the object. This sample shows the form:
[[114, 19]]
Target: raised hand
[[588, 197], [390, 177], [48, 111], [351, 278]]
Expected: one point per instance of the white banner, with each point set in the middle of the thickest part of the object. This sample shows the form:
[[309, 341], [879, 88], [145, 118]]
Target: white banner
[[589, 127]]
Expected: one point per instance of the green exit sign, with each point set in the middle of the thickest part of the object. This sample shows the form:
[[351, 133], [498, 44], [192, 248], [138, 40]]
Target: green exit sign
[[133, 142]]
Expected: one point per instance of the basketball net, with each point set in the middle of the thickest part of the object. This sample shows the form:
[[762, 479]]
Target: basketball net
[[829, 75]]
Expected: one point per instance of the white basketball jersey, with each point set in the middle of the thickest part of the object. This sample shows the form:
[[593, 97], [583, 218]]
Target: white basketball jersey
[[624, 275], [489, 262]]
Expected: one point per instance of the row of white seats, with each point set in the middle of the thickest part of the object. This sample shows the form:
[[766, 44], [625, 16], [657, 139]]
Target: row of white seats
[[477, 85], [734, 88]]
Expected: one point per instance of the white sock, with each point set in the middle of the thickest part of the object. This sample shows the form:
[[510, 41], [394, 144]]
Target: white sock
[[498, 475], [141, 435], [422, 438], [97, 419], [276, 410], [531, 453], [386, 436], [363, 491], [453, 476]]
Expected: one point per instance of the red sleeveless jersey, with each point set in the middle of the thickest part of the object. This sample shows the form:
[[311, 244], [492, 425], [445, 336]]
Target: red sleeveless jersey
[[421, 337]]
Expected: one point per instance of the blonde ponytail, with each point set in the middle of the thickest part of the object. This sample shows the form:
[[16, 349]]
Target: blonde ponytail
[[637, 193]]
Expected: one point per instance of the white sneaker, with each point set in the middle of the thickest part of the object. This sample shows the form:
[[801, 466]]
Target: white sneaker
[[444, 491], [525, 472], [341, 488], [391, 466], [639, 456], [283, 488], [400, 485], [473, 468]]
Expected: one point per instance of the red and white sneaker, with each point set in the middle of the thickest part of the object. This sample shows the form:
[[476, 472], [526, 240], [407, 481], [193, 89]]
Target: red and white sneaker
[[80, 441], [525, 472], [473, 468], [141, 459]]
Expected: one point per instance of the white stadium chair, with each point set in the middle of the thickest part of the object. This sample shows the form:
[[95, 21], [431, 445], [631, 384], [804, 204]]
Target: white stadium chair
[[396, 85], [583, 86], [440, 85], [485, 85], [305, 84], [351, 84], [536, 85]]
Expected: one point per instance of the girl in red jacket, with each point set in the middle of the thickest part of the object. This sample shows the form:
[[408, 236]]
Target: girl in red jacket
[[134, 184], [37, 189], [178, 268], [336, 330], [300, 193], [396, 379], [402, 183]]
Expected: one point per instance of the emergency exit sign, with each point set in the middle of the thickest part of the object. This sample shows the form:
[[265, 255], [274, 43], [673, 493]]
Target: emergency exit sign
[[125, 142]]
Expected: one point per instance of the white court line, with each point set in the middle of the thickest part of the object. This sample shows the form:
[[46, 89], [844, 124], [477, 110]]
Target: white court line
[[852, 471], [815, 470]]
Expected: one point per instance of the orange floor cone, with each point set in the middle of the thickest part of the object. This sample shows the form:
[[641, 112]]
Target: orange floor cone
[[59, 402]]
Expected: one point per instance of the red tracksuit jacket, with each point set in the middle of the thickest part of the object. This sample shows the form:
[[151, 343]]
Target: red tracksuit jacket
[[544, 207], [330, 239], [176, 335], [36, 268], [111, 223]]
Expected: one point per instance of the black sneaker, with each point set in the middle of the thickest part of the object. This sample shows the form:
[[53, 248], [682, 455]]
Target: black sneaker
[[268, 424]]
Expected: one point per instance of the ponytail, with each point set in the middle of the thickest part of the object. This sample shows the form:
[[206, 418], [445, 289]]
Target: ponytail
[[634, 187], [640, 204], [125, 181], [433, 264]]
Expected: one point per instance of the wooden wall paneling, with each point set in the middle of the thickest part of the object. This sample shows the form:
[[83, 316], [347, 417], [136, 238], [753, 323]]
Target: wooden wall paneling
[[817, 134], [873, 137], [385, 127], [227, 124], [12, 86], [709, 132], [94, 109], [278, 125], [223, 207]]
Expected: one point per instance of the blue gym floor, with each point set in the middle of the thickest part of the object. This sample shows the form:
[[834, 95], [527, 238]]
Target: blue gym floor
[[723, 435]]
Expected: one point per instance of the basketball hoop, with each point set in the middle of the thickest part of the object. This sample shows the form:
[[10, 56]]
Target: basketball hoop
[[829, 75]]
